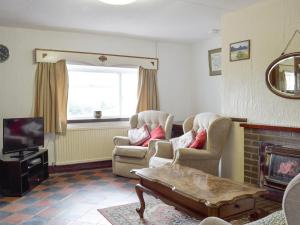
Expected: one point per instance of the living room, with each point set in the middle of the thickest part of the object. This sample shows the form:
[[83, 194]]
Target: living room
[[178, 40]]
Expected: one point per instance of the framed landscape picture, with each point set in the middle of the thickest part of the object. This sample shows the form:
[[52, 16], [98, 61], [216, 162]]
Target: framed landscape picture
[[240, 50], [215, 63]]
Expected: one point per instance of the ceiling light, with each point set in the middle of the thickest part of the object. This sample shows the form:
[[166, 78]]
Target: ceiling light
[[117, 2]]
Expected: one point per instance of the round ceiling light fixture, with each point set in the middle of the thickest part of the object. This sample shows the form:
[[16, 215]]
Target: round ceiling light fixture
[[117, 2]]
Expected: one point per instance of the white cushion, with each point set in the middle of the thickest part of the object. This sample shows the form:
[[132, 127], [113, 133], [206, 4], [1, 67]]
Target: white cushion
[[183, 141], [138, 136], [158, 162]]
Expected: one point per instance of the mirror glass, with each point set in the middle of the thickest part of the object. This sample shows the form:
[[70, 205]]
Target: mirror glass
[[283, 76]]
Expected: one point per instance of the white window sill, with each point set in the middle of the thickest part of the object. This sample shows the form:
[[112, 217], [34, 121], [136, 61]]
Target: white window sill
[[98, 125]]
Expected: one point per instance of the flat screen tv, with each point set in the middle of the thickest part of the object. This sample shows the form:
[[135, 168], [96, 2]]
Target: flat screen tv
[[22, 134]]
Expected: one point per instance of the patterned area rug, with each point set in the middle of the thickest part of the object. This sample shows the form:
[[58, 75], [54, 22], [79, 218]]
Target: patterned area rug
[[158, 213]]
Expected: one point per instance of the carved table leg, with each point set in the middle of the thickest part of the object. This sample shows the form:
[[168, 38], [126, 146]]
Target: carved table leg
[[139, 192]]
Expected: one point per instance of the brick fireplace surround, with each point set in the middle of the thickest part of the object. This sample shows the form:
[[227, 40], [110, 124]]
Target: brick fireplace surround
[[256, 134]]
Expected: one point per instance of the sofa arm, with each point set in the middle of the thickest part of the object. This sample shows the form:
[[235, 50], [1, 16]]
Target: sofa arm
[[213, 221], [152, 147], [164, 150], [194, 154], [120, 140]]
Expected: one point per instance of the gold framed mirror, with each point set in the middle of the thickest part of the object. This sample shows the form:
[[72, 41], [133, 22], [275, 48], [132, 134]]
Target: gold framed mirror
[[283, 76]]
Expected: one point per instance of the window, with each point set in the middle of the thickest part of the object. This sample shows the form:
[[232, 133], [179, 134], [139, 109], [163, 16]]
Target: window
[[108, 89], [290, 81]]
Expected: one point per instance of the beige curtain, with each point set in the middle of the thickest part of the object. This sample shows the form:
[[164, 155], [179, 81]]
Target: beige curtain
[[51, 95], [147, 90]]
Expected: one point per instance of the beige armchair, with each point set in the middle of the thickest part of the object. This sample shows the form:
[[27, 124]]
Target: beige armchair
[[288, 216], [127, 157], [206, 159]]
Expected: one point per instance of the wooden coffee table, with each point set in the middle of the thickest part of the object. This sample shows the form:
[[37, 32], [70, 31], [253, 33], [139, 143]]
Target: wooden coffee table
[[195, 192]]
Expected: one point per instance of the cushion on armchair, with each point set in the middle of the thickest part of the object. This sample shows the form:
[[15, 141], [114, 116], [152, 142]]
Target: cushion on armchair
[[156, 133], [183, 141], [200, 140], [138, 136]]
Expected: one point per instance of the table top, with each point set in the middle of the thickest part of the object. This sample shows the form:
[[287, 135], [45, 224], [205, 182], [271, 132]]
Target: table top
[[195, 184]]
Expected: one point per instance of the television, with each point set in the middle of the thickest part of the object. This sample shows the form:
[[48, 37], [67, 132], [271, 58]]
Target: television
[[22, 134]]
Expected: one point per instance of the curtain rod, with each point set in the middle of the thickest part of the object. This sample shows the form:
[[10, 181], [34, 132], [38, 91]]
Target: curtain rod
[[94, 53]]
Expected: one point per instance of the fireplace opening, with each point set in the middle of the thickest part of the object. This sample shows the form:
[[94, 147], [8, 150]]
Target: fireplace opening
[[283, 169], [278, 166]]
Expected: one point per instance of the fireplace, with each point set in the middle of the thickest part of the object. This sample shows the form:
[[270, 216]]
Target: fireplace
[[268, 161], [278, 165]]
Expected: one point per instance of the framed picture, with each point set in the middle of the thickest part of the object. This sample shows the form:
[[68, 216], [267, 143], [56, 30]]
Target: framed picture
[[215, 62], [240, 50]]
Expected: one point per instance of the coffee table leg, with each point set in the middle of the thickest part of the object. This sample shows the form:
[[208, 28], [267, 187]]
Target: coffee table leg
[[139, 192]]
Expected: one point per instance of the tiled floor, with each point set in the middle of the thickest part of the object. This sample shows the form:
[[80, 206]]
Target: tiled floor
[[69, 199]]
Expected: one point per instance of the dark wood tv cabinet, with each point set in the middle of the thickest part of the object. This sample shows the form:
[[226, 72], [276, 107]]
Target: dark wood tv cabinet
[[20, 175]]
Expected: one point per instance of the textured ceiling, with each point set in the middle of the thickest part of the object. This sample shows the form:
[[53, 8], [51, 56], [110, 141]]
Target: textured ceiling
[[176, 20]]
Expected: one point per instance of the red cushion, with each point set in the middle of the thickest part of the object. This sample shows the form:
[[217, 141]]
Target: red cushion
[[156, 133], [199, 140]]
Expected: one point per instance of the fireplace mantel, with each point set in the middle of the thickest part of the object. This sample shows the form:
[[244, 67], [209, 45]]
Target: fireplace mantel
[[270, 127]]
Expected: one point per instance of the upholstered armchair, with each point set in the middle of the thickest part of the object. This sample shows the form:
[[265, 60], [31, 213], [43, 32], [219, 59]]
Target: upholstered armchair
[[288, 216], [127, 157], [206, 159]]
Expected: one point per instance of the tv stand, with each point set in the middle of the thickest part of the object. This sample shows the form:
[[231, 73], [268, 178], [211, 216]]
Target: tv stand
[[21, 154], [18, 175]]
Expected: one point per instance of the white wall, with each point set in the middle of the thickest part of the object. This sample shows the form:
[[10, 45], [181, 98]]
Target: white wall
[[207, 89], [17, 74], [269, 25], [232, 162], [174, 80]]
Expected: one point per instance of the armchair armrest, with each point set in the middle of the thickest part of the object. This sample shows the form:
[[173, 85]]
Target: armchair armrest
[[194, 154], [213, 221], [151, 147], [164, 149], [120, 140]]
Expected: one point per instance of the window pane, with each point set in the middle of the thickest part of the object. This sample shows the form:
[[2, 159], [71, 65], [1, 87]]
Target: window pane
[[111, 90], [290, 81]]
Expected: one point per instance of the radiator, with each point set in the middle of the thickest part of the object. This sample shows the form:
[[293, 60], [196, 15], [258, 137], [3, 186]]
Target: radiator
[[86, 145]]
